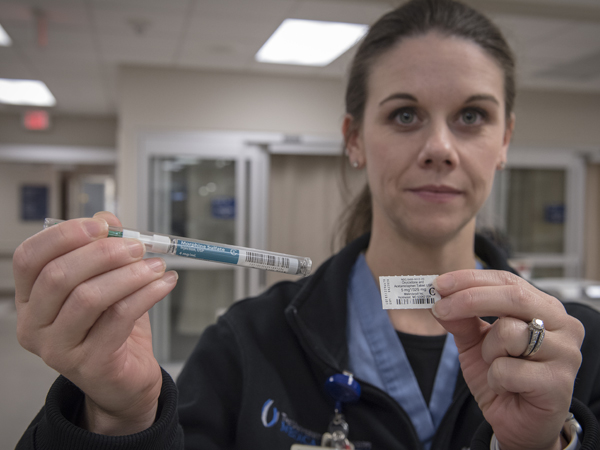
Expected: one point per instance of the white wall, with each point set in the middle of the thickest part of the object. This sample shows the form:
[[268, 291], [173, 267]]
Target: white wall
[[557, 120], [80, 131]]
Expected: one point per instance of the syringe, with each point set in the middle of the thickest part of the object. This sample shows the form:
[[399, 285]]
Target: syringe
[[211, 251]]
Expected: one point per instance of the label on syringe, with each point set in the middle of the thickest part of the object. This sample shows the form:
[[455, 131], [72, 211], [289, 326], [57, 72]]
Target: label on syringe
[[408, 292], [239, 257], [206, 252]]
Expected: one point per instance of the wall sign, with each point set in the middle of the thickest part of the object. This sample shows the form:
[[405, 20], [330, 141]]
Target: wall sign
[[34, 202]]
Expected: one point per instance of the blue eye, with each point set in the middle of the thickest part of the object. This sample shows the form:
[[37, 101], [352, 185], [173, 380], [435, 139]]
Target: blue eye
[[471, 116], [405, 116]]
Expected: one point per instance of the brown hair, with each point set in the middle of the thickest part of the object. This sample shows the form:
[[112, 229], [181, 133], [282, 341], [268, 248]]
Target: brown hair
[[414, 18]]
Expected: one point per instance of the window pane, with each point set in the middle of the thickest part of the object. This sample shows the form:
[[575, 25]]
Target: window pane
[[536, 210], [197, 196], [194, 197]]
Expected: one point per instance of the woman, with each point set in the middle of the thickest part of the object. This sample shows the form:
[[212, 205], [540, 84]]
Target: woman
[[429, 117]]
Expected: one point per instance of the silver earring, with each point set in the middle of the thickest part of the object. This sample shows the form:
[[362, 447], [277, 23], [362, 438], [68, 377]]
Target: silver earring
[[502, 165], [355, 164]]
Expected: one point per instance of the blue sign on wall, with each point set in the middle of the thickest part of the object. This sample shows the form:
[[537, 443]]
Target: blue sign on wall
[[223, 207], [554, 214], [34, 202]]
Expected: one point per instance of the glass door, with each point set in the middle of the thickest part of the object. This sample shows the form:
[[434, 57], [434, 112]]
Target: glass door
[[537, 207], [210, 189]]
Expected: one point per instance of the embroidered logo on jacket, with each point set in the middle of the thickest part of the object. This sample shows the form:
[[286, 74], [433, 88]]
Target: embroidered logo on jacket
[[287, 425], [265, 413]]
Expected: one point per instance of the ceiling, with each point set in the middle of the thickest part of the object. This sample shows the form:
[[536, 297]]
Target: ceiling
[[557, 42]]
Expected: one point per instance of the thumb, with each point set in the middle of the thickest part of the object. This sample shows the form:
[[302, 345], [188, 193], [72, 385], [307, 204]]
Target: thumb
[[110, 218]]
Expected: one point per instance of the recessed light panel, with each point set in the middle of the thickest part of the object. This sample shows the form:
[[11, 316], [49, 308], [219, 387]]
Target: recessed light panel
[[25, 92], [309, 42], [5, 40]]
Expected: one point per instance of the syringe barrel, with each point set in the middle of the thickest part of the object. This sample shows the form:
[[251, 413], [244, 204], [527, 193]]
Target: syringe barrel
[[211, 251]]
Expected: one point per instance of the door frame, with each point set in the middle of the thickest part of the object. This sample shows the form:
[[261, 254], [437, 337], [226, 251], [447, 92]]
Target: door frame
[[249, 151]]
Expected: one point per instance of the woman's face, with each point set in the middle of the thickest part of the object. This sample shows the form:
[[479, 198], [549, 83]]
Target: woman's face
[[433, 135]]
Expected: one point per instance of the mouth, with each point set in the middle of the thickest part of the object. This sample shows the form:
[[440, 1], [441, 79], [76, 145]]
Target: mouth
[[436, 193]]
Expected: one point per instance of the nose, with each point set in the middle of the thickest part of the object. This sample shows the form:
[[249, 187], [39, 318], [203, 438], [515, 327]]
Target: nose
[[438, 151]]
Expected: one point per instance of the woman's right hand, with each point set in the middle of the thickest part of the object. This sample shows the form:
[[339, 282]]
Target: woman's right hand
[[82, 304]]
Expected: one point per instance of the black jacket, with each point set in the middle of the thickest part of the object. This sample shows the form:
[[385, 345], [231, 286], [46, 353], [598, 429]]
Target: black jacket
[[255, 381]]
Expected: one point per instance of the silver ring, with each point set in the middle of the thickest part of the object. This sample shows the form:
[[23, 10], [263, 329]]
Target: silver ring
[[536, 336]]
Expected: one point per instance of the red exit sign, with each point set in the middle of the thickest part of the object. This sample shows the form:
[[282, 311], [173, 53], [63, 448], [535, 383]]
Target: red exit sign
[[36, 120]]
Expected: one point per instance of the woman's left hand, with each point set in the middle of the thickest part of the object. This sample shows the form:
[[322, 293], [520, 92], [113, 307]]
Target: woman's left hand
[[524, 398]]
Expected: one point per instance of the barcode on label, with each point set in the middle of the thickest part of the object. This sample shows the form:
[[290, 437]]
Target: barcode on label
[[415, 301], [268, 260]]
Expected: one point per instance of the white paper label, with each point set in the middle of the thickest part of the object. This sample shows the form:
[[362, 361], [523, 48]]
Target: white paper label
[[409, 292]]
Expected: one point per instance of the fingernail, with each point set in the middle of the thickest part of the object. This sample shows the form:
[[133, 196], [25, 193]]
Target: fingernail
[[135, 247], [95, 227], [444, 282], [441, 308], [171, 277], [156, 264]]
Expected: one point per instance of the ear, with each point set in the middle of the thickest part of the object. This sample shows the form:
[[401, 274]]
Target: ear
[[508, 132], [353, 141]]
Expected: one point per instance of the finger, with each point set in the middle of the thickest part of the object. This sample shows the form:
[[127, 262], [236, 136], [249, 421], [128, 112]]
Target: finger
[[531, 379], [507, 337], [110, 218], [116, 324], [92, 298], [451, 282], [61, 275], [32, 255], [499, 301], [510, 337]]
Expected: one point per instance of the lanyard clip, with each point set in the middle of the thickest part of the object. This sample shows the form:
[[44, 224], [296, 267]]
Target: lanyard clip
[[344, 389]]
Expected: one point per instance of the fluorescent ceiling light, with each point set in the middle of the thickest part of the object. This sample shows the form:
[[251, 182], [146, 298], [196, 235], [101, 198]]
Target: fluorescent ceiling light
[[5, 39], [309, 42], [25, 92]]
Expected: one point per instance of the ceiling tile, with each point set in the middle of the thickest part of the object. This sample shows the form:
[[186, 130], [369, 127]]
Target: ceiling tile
[[14, 12], [142, 5], [137, 49], [58, 13], [16, 70], [231, 28], [525, 30], [255, 9], [144, 22], [211, 53], [572, 43], [352, 12]]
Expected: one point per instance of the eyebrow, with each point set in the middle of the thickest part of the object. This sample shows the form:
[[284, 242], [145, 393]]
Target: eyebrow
[[485, 97], [472, 98], [399, 95]]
